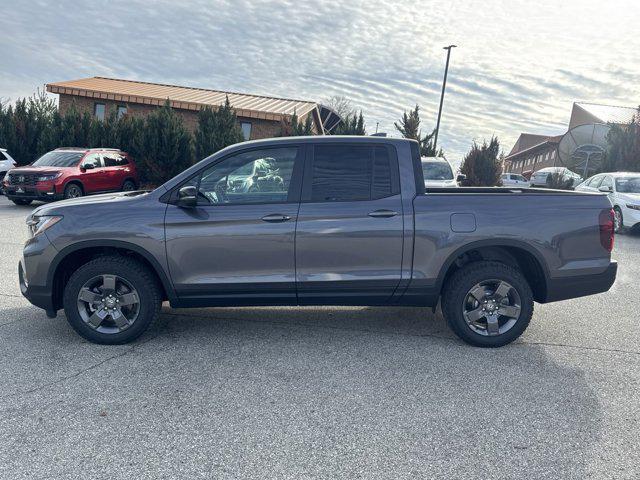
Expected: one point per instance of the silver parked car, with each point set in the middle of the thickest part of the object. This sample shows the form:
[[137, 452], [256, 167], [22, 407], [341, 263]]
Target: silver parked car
[[545, 177]]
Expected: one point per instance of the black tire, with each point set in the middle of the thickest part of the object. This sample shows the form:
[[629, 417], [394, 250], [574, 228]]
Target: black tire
[[21, 201], [138, 275], [128, 186], [458, 288], [73, 190], [618, 224]]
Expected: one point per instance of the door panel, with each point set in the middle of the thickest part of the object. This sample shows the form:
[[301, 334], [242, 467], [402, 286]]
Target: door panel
[[116, 169], [94, 179], [349, 233], [215, 251], [344, 255], [237, 245]]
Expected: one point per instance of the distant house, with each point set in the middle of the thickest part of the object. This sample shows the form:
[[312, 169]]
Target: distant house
[[532, 152], [258, 116]]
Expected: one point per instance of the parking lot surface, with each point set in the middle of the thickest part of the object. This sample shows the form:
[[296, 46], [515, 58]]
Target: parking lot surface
[[321, 392]]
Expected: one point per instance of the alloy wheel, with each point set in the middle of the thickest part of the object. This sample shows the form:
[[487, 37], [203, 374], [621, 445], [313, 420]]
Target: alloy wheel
[[491, 307], [73, 191], [108, 304]]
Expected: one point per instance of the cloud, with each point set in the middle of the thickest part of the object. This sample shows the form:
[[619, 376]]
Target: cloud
[[518, 67]]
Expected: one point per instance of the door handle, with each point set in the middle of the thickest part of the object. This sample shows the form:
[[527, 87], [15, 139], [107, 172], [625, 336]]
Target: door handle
[[383, 214], [276, 217]]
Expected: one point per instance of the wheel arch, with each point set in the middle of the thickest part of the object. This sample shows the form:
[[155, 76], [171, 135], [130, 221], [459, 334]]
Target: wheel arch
[[511, 252], [129, 179], [73, 256], [75, 181]]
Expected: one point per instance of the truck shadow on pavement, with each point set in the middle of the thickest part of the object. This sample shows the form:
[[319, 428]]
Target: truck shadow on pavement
[[328, 392]]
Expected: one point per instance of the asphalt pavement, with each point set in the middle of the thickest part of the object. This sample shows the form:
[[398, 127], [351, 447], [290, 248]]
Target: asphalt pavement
[[301, 393]]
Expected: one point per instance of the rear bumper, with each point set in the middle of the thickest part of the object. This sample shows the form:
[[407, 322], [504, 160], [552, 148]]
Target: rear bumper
[[582, 285]]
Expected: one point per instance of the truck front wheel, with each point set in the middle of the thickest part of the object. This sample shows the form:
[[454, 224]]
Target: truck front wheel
[[487, 304], [112, 299]]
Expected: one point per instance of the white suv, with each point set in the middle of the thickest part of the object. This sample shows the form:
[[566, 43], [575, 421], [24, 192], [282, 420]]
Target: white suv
[[624, 192], [6, 164]]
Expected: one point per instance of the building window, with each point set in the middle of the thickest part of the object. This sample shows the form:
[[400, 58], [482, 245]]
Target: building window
[[246, 130], [99, 110], [122, 110]]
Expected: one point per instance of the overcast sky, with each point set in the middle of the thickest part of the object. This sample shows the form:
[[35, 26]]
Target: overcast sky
[[519, 65]]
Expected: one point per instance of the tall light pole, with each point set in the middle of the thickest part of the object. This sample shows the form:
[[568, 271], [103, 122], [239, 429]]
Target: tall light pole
[[444, 84]]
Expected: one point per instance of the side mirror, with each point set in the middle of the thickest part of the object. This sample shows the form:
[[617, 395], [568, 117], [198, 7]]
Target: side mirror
[[88, 166], [188, 197], [606, 189], [461, 178]]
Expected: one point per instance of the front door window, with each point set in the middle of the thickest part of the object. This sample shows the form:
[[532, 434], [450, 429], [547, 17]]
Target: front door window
[[257, 176]]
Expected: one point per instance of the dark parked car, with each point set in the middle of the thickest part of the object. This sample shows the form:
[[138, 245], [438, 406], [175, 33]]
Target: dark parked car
[[71, 173], [349, 223]]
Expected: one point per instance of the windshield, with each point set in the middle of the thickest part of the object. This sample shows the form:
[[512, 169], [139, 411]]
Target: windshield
[[58, 159], [437, 171], [628, 185]]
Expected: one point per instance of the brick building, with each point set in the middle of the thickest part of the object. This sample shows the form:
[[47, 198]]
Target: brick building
[[258, 116], [532, 152]]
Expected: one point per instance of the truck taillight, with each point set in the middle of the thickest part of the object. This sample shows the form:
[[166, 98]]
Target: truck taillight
[[607, 223]]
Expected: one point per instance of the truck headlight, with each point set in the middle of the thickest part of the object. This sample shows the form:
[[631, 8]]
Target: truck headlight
[[633, 207], [38, 224]]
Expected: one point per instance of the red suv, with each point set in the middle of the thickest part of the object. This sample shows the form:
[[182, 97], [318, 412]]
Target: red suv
[[70, 173]]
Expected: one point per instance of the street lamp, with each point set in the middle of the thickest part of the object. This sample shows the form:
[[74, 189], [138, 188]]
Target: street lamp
[[444, 84]]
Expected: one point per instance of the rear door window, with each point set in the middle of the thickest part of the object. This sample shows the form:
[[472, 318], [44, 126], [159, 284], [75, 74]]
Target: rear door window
[[2, 156], [114, 160], [351, 173]]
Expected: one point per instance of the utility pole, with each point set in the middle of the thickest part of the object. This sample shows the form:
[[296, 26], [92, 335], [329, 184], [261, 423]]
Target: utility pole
[[444, 84]]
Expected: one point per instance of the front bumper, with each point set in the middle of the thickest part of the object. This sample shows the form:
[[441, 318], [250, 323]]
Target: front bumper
[[33, 273], [581, 285], [42, 193], [39, 296]]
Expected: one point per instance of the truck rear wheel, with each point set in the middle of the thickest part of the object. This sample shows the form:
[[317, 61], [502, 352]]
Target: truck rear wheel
[[112, 300], [487, 304]]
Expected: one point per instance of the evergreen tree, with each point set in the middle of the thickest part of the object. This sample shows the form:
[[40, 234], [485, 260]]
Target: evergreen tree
[[409, 127], [623, 149], [482, 165], [296, 128], [352, 124], [216, 130], [166, 146]]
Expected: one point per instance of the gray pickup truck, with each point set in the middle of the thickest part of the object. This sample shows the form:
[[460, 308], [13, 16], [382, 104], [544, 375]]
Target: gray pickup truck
[[348, 222]]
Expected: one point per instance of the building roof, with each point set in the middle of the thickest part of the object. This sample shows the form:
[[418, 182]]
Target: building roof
[[582, 113], [528, 142], [187, 98]]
